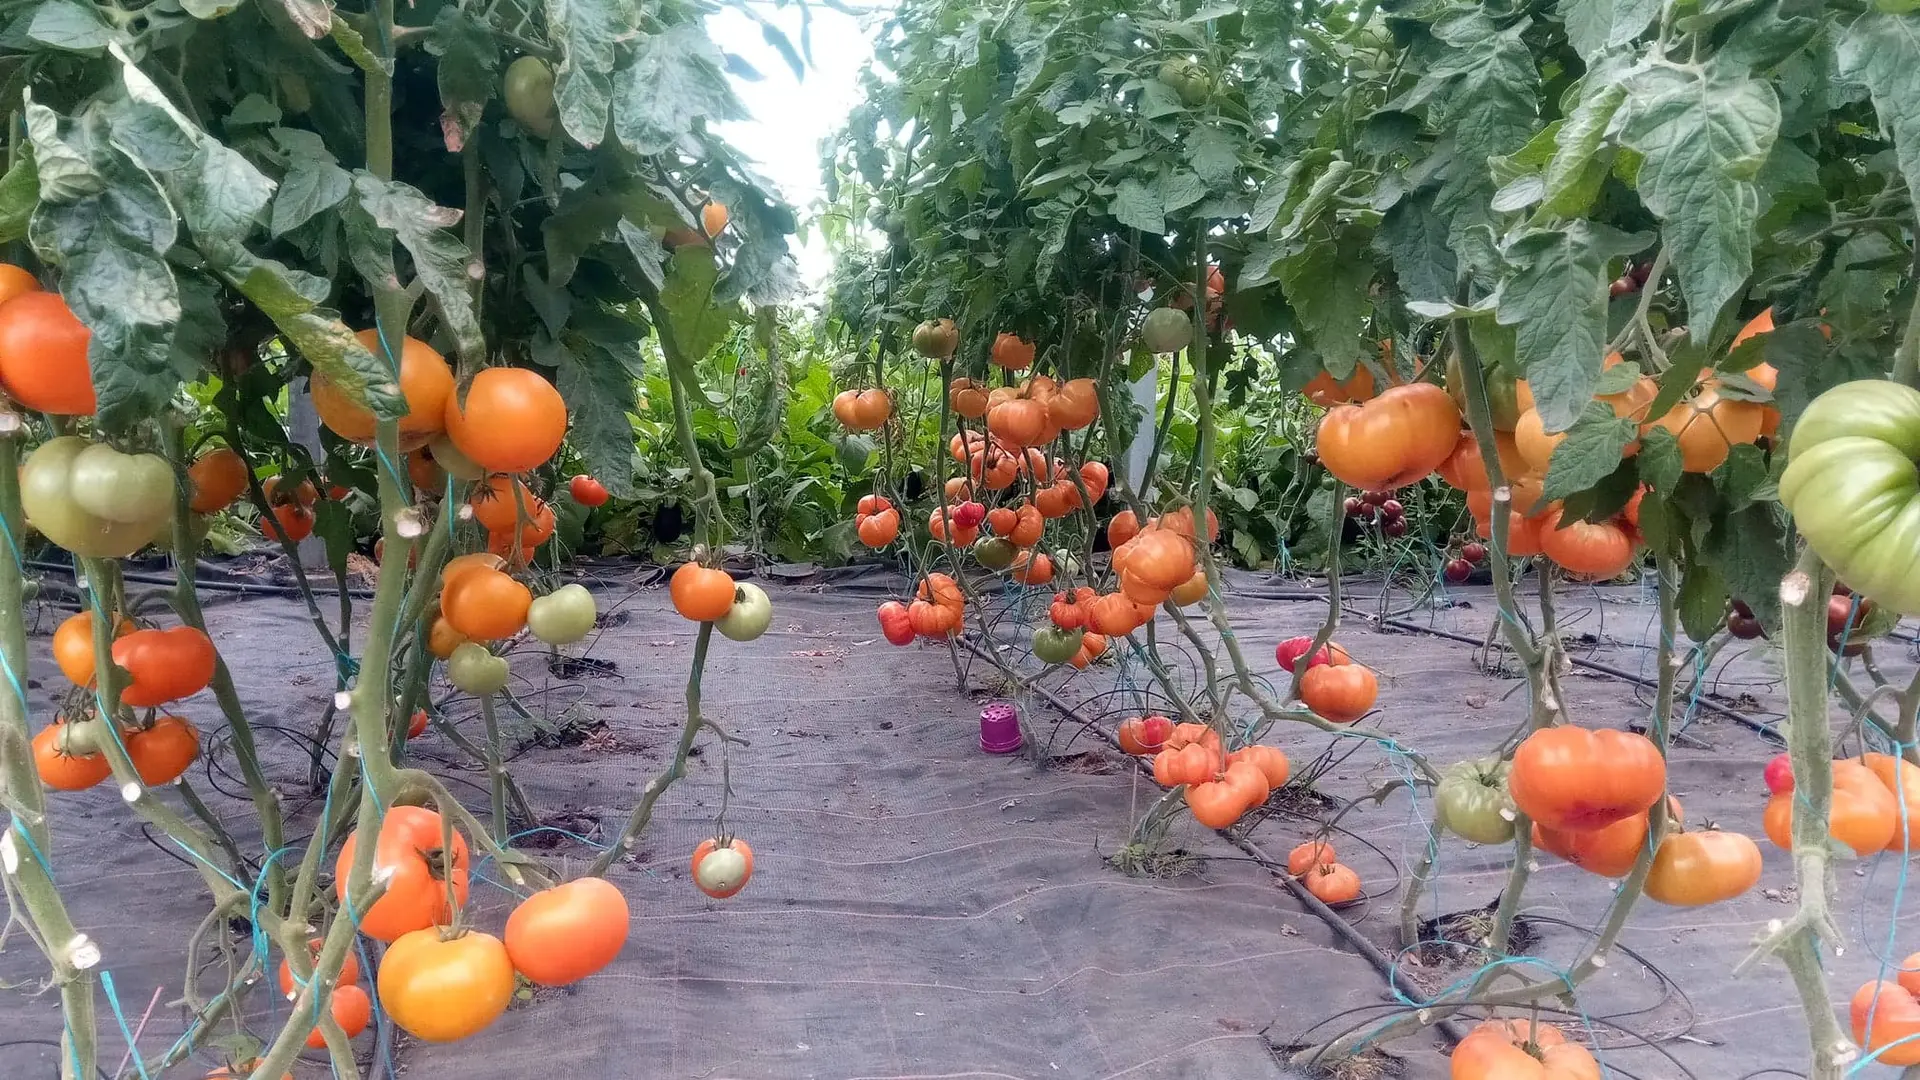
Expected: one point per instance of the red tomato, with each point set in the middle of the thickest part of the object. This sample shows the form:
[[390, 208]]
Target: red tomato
[[587, 491]]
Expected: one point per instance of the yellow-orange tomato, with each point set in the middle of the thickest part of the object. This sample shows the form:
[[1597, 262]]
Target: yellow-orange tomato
[[1519, 1050], [425, 381], [1691, 869], [700, 593], [442, 991], [1305, 857], [1610, 851], [1341, 693], [1709, 426], [1906, 788], [1193, 590], [1863, 814], [486, 604], [1589, 549], [1576, 779], [512, 420], [1392, 440]]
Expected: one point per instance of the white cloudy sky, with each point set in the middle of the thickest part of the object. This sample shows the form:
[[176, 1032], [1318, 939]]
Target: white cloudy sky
[[789, 116]]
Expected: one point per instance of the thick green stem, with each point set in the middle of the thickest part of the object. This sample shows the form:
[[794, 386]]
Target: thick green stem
[[1417, 886], [70, 954], [676, 768], [1480, 419], [1797, 941], [496, 770]]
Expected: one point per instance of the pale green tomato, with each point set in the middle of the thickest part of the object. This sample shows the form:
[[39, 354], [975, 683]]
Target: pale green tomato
[[130, 488], [477, 671], [1852, 488], [46, 494], [1167, 330], [749, 616], [529, 93], [563, 616], [1472, 801], [994, 552]]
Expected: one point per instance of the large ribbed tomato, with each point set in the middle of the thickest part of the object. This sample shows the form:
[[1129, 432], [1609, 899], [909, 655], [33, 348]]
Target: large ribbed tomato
[[1852, 487], [1521, 1050], [1577, 779], [1393, 440], [409, 851], [1887, 1012], [1589, 549]]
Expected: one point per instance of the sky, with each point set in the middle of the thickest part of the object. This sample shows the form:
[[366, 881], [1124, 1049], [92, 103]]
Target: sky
[[788, 116]]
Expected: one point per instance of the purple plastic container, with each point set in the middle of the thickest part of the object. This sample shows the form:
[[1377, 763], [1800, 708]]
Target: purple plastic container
[[999, 729]]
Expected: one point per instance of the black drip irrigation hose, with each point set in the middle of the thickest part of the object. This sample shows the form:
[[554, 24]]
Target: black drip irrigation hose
[[1342, 928], [1766, 730]]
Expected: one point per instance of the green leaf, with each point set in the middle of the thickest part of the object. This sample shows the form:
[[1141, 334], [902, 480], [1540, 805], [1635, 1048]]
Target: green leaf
[[673, 83], [1703, 601], [1752, 548], [19, 194], [696, 322], [333, 524], [75, 27], [1136, 206], [313, 182], [1484, 91], [250, 110], [1704, 136], [647, 251], [1214, 155], [1882, 52], [587, 32], [1316, 200], [440, 256], [1590, 452], [1179, 189], [286, 296], [1577, 170], [217, 192], [599, 387], [1416, 240], [1326, 285], [467, 59], [1557, 303], [1660, 461], [1594, 26]]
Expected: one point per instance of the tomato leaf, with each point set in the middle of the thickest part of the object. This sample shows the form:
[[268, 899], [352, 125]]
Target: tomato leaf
[[1741, 475], [467, 57], [19, 194], [1660, 461], [218, 193], [1326, 286], [673, 83], [696, 322], [1557, 302], [288, 298], [1590, 452], [313, 182], [586, 32], [70, 26], [597, 383], [1136, 206], [1753, 550], [1416, 239], [1882, 52], [1594, 26], [1703, 601], [1704, 133], [1577, 169], [333, 524], [440, 256]]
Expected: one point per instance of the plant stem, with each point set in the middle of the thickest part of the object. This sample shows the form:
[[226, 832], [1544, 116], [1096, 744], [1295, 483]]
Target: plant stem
[[676, 768], [496, 771], [29, 874]]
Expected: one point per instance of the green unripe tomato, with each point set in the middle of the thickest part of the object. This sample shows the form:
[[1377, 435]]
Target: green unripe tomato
[[130, 488], [529, 93], [1851, 486], [749, 616], [1472, 801], [1053, 645], [1167, 330], [1188, 79], [563, 616], [456, 464], [47, 496], [1503, 393], [475, 670], [994, 552]]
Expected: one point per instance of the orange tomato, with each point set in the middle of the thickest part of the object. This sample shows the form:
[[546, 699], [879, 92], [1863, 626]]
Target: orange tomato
[[215, 479], [73, 644], [1341, 693], [1518, 1050], [425, 381], [1323, 389], [1578, 780], [1589, 549], [43, 355], [442, 991], [1884, 1013], [1333, 883], [1905, 789], [512, 420], [564, 934], [1012, 353], [1709, 426], [1305, 857], [1393, 440], [484, 604], [349, 970], [1610, 851], [161, 753], [1864, 814], [352, 1009], [408, 849], [700, 593], [1691, 869], [62, 771], [164, 665]]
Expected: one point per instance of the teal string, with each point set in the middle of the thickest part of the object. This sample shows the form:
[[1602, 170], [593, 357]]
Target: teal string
[[113, 999]]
